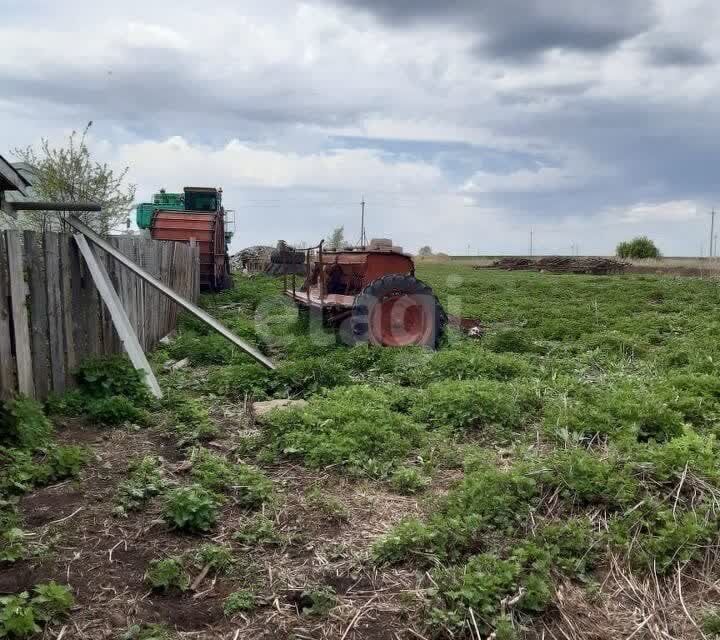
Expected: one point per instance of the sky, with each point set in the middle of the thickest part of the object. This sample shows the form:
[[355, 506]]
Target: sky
[[463, 124]]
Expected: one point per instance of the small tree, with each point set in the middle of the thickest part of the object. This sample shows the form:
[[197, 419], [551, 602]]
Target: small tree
[[336, 239], [638, 248], [425, 251], [68, 173]]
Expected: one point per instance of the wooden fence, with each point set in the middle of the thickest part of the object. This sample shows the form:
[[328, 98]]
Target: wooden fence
[[51, 315]]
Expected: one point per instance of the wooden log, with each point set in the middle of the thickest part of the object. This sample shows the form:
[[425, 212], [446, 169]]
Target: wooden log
[[55, 311], [7, 361], [39, 329], [18, 291]]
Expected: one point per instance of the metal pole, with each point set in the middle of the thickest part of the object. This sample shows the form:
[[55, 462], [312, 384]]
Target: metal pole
[[322, 273], [712, 232], [363, 239], [76, 224]]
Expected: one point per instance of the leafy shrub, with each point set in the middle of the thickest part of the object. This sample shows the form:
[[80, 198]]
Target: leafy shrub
[[12, 544], [258, 530], [145, 480], [114, 410], [238, 602], [111, 376], [66, 461], [488, 499], [312, 374], [52, 601], [217, 557], [20, 614], [486, 580], [20, 470], [167, 574], [470, 404], [191, 420], [249, 486], [192, 508], [241, 380], [698, 453], [23, 423], [470, 363], [572, 545], [351, 426], [622, 414], [638, 248], [407, 480], [585, 477]]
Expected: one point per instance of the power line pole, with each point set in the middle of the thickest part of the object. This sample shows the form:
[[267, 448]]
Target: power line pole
[[531, 242], [712, 231], [363, 237]]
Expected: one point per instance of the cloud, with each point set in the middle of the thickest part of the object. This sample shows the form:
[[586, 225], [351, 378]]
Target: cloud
[[678, 55], [520, 30], [659, 212]]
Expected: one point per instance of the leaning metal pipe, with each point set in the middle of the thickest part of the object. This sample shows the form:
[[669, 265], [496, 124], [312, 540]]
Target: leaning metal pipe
[[38, 205], [154, 282]]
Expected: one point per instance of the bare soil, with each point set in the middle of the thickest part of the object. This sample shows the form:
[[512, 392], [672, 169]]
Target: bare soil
[[103, 556]]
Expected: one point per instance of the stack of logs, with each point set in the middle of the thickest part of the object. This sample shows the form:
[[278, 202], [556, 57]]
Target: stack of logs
[[593, 265]]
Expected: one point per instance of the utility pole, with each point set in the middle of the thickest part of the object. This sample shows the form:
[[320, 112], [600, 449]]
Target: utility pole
[[531, 242], [363, 237], [712, 231]]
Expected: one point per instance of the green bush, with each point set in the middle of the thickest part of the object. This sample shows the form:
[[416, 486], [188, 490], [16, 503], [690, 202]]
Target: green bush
[[474, 362], [355, 427], [408, 480], [312, 374], [242, 380], [238, 602], [190, 419], [617, 413], [111, 376], [258, 530], [584, 477], [318, 601], [23, 424], [20, 470], [192, 508], [167, 574], [472, 404], [204, 349], [21, 613], [114, 410], [638, 248], [217, 557], [249, 487], [145, 480]]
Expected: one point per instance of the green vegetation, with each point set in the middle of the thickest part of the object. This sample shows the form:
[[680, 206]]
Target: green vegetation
[[21, 615], [191, 508], [145, 480], [148, 632], [241, 601], [318, 601], [249, 487], [638, 248], [167, 574]]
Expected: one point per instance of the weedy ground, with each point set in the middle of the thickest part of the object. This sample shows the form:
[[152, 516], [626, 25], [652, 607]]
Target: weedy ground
[[557, 477]]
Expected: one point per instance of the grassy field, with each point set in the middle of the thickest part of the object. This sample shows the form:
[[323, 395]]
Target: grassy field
[[556, 478]]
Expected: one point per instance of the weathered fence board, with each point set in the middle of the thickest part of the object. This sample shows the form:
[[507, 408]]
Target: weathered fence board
[[7, 363], [52, 317], [35, 267], [18, 289]]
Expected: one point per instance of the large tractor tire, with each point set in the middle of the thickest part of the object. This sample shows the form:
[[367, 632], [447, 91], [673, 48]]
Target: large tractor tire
[[397, 311]]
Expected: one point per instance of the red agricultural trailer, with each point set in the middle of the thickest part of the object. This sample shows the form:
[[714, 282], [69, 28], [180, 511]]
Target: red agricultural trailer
[[196, 214], [369, 293]]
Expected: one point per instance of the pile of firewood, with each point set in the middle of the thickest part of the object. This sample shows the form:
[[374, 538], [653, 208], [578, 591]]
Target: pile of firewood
[[594, 265]]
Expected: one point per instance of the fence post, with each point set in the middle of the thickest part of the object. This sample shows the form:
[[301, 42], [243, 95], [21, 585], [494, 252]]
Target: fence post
[[18, 290], [7, 366]]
